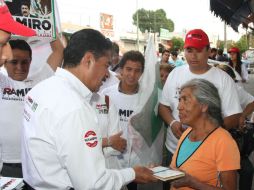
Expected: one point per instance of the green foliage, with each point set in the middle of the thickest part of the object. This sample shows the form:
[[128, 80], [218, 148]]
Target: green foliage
[[152, 20], [242, 44], [220, 44], [178, 43]]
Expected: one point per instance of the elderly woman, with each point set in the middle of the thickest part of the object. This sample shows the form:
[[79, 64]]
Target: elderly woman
[[206, 152]]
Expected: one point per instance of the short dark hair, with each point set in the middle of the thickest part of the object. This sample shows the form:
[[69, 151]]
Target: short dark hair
[[115, 48], [213, 50], [83, 41], [27, 3], [133, 56], [174, 53], [165, 50], [21, 45], [220, 51]]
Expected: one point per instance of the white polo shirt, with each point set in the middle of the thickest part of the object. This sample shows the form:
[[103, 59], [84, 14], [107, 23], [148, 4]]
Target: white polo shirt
[[62, 145], [180, 75]]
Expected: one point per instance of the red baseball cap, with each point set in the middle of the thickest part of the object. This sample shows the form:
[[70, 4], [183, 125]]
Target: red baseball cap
[[196, 38], [234, 49], [8, 24]]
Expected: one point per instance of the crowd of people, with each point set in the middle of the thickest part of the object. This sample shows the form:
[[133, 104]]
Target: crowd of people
[[66, 126]]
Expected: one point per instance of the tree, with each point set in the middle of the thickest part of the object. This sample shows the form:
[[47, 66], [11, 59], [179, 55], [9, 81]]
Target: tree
[[152, 20], [178, 43], [221, 45], [242, 44]]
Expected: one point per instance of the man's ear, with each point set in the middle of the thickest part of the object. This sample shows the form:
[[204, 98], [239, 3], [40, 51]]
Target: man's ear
[[87, 59]]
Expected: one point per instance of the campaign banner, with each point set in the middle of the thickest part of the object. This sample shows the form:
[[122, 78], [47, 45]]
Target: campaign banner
[[36, 14], [106, 25]]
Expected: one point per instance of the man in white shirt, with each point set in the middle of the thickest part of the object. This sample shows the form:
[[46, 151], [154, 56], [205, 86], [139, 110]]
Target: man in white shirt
[[8, 26], [13, 88], [197, 50], [125, 97], [112, 142], [62, 146]]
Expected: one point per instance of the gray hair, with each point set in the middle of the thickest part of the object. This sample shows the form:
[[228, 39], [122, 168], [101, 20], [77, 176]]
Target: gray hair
[[206, 93]]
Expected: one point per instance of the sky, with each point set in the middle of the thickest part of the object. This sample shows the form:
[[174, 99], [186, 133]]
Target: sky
[[186, 14]]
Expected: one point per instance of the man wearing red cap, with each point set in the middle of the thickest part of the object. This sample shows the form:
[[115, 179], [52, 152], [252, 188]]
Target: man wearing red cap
[[197, 50]]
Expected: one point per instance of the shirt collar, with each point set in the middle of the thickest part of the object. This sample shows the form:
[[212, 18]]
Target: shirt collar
[[74, 83], [120, 90]]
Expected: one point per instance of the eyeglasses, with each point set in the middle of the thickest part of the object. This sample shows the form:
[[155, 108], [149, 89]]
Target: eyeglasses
[[15, 61]]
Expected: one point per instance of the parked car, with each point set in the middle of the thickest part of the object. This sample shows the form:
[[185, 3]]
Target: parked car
[[248, 59]]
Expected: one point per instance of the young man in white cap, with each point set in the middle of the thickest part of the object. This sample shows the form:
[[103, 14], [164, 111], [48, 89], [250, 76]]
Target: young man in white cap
[[197, 50]]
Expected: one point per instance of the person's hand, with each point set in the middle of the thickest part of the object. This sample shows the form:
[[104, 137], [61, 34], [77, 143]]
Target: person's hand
[[185, 181], [177, 129], [241, 122], [143, 175], [117, 142]]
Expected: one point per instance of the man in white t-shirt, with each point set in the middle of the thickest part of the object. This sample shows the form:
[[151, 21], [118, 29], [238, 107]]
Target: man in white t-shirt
[[112, 142], [124, 96], [197, 50], [61, 141], [13, 88], [8, 26]]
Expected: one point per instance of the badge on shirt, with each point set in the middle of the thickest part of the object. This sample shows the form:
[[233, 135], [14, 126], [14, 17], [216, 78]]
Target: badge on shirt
[[91, 139], [102, 108], [31, 103]]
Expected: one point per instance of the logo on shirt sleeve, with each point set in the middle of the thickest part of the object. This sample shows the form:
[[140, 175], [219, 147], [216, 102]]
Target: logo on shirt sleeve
[[91, 139], [102, 108], [31, 103]]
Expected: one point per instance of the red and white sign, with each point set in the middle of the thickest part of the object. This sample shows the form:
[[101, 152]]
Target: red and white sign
[[91, 139], [106, 24]]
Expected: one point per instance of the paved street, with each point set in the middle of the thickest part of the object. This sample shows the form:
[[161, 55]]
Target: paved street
[[249, 86]]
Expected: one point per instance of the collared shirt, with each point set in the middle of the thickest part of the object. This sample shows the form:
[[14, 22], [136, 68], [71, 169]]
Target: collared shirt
[[62, 145]]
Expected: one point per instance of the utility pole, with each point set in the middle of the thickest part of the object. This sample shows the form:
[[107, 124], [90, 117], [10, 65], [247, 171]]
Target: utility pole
[[137, 27], [225, 37], [247, 41]]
